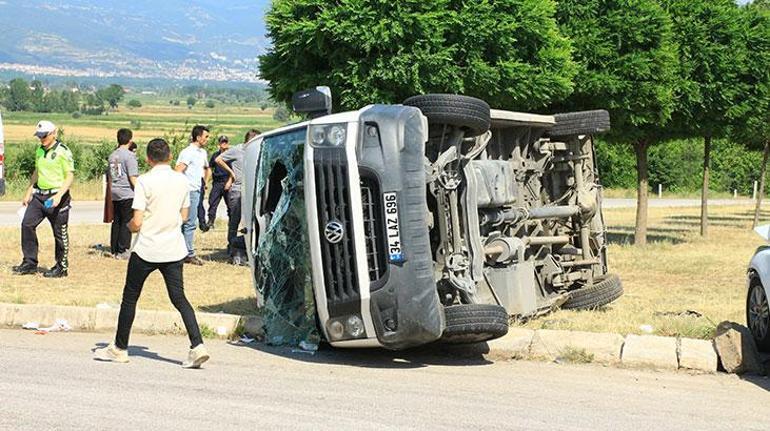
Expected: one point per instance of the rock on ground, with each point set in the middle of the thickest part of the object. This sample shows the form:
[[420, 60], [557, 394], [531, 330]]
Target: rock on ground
[[737, 349]]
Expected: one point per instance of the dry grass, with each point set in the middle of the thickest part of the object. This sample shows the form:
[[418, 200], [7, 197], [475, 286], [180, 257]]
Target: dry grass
[[676, 272], [216, 286]]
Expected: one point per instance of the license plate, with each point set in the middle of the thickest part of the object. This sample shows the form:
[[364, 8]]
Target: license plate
[[392, 227]]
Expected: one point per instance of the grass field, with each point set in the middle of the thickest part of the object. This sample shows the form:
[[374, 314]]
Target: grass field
[[677, 274], [216, 286], [147, 122]]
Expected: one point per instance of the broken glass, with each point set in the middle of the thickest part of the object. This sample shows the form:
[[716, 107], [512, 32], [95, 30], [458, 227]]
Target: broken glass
[[283, 268]]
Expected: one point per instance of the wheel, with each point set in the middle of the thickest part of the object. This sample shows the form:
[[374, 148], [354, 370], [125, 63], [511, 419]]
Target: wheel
[[467, 113], [580, 123], [474, 323], [758, 314], [604, 290]]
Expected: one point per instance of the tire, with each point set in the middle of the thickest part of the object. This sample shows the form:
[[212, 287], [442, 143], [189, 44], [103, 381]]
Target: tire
[[601, 293], [474, 323], [758, 314], [468, 113], [580, 123]]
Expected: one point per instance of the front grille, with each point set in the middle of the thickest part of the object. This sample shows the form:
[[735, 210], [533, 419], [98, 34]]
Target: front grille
[[373, 227], [333, 194]]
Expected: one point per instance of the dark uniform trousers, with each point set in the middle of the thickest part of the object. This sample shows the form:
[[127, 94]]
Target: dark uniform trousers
[[215, 196], [58, 217]]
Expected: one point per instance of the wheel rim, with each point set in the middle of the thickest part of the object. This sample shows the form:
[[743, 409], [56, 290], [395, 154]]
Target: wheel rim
[[759, 312]]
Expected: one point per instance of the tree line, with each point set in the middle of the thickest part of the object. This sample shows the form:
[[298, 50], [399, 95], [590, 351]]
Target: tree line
[[21, 95], [665, 69]]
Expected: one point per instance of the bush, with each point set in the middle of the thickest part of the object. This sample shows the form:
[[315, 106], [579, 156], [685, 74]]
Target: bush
[[210, 104], [136, 124], [133, 103]]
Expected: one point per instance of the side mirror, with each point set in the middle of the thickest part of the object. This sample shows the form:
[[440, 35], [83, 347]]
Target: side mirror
[[315, 102]]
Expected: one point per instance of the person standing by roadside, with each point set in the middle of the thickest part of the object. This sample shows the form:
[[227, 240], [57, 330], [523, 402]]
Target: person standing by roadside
[[161, 203], [47, 197], [194, 164], [123, 172], [220, 185], [232, 162]]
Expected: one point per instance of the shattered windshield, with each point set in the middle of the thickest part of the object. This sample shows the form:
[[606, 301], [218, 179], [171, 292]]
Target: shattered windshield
[[283, 261]]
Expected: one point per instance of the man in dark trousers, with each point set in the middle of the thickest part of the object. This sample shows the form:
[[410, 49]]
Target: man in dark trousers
[[161, 203], [232, 162], [123, 172], [47, 197], [220, 186]]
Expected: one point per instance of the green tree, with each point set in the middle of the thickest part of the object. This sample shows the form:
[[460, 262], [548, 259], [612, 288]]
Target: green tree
[[191, 101], [133, 103], [38, 96], [712, 55], [508, 52], [753, 127], [210, 104], [111, 95], [19, 96], [626, 64]]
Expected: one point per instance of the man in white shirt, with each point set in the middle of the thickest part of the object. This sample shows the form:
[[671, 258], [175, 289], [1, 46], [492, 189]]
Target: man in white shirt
[[194, 164], [161, 203]]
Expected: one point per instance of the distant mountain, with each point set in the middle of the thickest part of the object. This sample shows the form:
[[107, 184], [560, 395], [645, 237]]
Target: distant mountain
[[178, 39]]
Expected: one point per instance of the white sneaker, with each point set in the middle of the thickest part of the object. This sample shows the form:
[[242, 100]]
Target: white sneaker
[[112, 354], [196, 357]]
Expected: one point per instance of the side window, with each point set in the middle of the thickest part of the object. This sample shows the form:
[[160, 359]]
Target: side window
[[277, 155]]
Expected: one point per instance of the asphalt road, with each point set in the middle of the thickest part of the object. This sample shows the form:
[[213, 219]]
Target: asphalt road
[[51, 382], [90, 212]]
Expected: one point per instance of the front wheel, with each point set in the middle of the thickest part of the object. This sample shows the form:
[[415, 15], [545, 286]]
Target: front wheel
[[474, 323], [758, 314]]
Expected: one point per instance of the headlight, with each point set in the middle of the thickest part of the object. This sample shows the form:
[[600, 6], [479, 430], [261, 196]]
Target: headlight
[[329, 135], [345, 328]]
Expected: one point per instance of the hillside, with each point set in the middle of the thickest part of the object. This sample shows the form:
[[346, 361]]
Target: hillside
[[177, 39]]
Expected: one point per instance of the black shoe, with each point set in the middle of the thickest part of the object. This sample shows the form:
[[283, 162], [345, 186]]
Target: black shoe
[[55, 272], [25, 269], [204, 227]]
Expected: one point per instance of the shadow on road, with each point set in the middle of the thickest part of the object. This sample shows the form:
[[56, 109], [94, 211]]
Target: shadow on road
[[469, 355], [141, 352]]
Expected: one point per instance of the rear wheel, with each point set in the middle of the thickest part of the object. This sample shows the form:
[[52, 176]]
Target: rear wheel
[[758, 314], [604, 290], [474, 323], [580, 123], [468, 113]]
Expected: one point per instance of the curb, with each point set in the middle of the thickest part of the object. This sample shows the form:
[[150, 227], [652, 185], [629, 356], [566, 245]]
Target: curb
[[632, 351], [146, 321]]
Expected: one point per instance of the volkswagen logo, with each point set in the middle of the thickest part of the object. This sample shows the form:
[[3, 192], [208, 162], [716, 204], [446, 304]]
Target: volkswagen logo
[[334, 231]]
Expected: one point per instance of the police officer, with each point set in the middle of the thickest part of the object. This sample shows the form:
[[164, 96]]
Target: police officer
[[48, 197]]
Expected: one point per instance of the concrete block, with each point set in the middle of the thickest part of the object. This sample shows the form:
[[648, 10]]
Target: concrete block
[[650, 351], [736, 349], [106, 319], [43, 314], [551, 344], [514, 345], [698, 355], [79, 318], [7, 312]]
